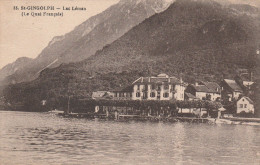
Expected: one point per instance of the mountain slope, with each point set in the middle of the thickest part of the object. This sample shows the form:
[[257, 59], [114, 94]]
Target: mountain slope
[[19, 64], [202, 40], [90, 36], [178, 34]]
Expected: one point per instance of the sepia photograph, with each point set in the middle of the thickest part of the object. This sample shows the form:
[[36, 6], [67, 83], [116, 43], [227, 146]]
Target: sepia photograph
[[129, 82]]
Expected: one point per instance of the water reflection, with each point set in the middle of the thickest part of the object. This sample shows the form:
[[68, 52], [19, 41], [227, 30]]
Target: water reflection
[[38, 138]]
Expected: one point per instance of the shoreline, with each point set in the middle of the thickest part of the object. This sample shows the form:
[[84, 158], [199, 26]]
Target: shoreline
[[234, 120], [230, 120]]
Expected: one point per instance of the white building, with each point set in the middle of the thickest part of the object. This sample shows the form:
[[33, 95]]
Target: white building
[[245, 104], [161, 87]]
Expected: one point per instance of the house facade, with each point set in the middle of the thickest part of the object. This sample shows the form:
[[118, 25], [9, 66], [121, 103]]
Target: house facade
[[245, 104], [204, 91], [124, 93], [161, 87]]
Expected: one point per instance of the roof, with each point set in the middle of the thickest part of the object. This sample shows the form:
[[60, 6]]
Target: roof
[[233, 85], [189, 95], [100, 94], [207, 87], [200, 88], [125, 89], [157, 80], [212, 87], [248, 99], [163, 75]]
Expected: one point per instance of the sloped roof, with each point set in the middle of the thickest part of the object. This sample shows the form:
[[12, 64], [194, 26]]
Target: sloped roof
[[248, 99], [233, 85], [212, 86], [189, 95], [98, 94], [102, 95], [163, 75], [146, 80], [125, 89], [201, 88], [207, 87]]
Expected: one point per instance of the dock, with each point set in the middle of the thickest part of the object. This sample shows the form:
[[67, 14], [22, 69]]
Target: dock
[[125, 117], [136, 117], [239, 119]]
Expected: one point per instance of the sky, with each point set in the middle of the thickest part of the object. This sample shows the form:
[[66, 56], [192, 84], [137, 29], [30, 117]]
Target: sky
[[28, 36]]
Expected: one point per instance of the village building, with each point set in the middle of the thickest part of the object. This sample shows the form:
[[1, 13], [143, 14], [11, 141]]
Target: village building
[[161, 87], [190, 97], [204, 91], [246, 83], [241, 85], [124, 93], [231, 90], [245, 104], [102, 95]]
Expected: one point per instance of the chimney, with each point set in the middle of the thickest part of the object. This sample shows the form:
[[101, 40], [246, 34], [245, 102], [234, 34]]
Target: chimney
[[169, 80], [196, 84], [149, 79]]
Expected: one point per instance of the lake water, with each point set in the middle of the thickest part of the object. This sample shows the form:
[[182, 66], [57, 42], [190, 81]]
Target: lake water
[[42, 138]]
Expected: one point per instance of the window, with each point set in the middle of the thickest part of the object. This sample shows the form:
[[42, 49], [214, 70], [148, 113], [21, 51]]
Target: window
[[241, 105], [138, 87], [153, 86], [145, 95], [138, 94], [152, 94], [166, 95], [166, 87], [245, 106], [121, 94]]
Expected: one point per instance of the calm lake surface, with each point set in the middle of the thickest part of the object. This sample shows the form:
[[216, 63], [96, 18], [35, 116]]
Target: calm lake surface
[[42, 138]]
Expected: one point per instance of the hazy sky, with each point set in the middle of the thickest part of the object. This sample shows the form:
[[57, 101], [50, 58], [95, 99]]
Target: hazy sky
[[28, 36]]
